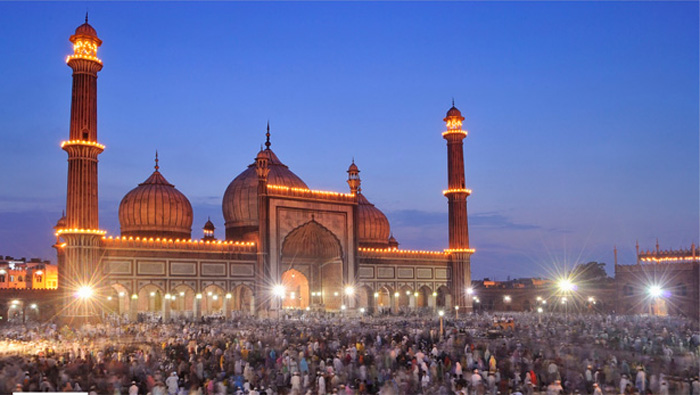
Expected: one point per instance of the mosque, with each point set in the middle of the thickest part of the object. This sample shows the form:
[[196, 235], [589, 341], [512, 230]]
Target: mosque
[[285, 246]]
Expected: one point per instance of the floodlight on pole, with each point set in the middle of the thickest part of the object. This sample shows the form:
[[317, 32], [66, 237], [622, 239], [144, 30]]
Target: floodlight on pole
[[566, 285], [84, 292], [655, 291], [349, 290], [278, 290], [470, 291]]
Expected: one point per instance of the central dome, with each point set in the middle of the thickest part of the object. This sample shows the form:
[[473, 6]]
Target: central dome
[[240, 204]]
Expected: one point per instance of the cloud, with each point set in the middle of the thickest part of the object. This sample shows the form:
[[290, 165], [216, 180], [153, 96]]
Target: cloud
[[489, 220], [499, 221]]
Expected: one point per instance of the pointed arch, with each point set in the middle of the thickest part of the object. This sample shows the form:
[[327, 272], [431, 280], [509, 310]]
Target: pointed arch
[[312, 241]]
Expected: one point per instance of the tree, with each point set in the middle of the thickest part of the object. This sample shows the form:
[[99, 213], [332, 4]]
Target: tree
[[590, 272]]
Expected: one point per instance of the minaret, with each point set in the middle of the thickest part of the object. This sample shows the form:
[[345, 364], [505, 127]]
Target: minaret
[[78, 256], [456, 193], [82, 146]]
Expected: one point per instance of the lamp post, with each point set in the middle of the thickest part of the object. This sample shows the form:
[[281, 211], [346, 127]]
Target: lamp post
[[349, 295], [456, 312], [441, 313], [84, 293], [655, 292], [278, 291]]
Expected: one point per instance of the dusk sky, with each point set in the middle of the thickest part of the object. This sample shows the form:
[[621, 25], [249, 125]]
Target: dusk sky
[[582, 116]]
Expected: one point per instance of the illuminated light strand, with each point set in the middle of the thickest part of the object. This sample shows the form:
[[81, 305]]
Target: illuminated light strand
[[309, 191], [457, 190], [82, 142], [177, 242], [455, 250], [397, 251], [81, 231], [669, 259], [84, 49], [460, 131], [86, 57]]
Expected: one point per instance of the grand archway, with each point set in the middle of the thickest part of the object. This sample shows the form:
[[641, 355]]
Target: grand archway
[[296, 289], [313, 255]]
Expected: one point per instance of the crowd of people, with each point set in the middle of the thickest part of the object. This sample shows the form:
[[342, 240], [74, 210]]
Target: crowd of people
[[318, 354]]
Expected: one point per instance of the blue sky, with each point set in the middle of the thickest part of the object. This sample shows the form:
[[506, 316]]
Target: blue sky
[[582, 116]]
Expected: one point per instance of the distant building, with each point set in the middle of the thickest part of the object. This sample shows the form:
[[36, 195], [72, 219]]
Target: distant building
[[31, 274], [662, 282], [532, 294]]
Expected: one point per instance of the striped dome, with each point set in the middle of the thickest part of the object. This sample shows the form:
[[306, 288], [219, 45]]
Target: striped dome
[[372, 225], [240, 203], [156, 209]]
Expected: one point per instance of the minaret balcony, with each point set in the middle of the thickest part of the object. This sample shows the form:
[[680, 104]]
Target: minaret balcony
[[456, 191]]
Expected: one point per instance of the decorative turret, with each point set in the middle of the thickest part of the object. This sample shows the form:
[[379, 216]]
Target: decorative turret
[[393, 244], [354, 178], [209, 231]]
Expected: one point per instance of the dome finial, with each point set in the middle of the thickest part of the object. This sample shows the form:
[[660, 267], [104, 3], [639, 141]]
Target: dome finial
[[453, 102], [156, 166], [86, 16], [267, 136]]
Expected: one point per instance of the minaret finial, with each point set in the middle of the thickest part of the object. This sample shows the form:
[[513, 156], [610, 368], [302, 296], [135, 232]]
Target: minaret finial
[[453, 102], [267, 135], [156, 166], [86, 16]]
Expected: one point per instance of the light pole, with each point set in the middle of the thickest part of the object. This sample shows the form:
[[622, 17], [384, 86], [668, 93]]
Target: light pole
[[278, 291], [349, 294], [84, 293], [655, 292], [396, 301], [456, 312], [441, 313]]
